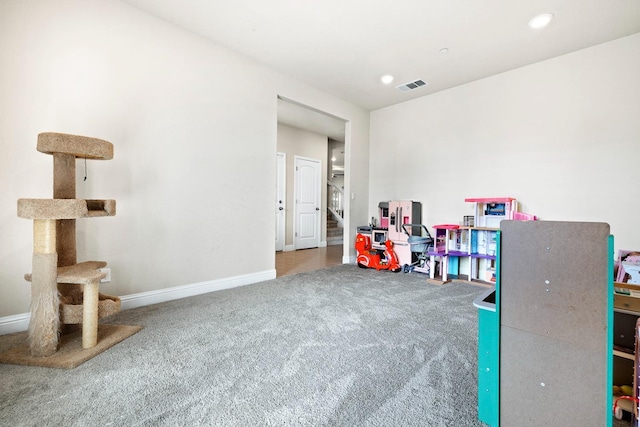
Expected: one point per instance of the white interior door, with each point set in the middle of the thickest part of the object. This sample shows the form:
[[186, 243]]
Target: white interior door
[[308, 189], [280, 199]]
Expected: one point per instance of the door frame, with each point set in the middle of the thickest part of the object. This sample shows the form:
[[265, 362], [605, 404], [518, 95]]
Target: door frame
[[280, 206]]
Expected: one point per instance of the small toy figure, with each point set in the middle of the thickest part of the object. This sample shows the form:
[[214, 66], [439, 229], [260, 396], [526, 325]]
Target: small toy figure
[[368, 258]]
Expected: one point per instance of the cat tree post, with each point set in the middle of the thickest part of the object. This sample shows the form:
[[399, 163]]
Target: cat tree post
[[43, 327], [90, 313], [64, 187]]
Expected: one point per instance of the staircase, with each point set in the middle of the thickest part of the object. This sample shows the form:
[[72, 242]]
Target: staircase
[[334, 231]]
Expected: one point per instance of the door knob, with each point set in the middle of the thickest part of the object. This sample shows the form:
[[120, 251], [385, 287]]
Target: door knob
[[280, 208], [317, 209]]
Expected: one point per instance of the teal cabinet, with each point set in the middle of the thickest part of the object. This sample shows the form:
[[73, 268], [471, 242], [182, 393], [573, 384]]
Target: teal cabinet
[[488, 361]]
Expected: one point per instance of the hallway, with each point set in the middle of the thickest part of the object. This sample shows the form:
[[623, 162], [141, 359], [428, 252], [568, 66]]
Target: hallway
[[294, 262]]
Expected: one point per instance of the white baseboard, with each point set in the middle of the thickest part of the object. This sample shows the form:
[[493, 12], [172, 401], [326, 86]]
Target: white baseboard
[[15, 323], [168, 294], [20, 322]]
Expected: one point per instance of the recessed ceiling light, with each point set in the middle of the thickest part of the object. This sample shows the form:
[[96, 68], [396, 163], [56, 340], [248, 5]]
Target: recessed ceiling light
[[444, 50], [541, 21], [386, 79]]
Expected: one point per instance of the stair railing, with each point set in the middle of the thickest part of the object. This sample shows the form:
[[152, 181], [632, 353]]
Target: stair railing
[[335, 204]]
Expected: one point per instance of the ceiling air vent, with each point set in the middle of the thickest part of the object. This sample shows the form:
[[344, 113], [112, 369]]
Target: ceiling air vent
[[411, 85]]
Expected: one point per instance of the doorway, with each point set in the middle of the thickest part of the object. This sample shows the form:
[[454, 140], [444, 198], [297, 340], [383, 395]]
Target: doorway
[[293, 117]]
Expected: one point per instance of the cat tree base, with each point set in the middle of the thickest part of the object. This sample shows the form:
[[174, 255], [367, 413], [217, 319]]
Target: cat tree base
[[86, 306], [70, 352]]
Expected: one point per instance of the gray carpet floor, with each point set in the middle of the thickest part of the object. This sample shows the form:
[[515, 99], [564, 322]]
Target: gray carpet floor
[[342, 346]]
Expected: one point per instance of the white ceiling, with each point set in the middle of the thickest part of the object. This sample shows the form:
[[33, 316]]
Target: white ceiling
[[344, 46], [295, 115]]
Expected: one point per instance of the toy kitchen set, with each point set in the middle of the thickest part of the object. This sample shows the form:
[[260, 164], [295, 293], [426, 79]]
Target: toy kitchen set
[[393, 216]]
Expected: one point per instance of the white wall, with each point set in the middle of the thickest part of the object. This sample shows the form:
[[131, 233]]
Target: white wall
[[562, 136], [298, 142], [194, 132]]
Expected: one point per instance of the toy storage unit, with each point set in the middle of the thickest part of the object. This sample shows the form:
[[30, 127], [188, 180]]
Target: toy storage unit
[[626, 318], [443, 252], [553, 319], [468, 251]]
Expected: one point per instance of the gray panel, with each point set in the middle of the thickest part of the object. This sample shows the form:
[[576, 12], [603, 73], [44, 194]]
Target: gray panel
[[545, 382], [554, 323], [554, 280]]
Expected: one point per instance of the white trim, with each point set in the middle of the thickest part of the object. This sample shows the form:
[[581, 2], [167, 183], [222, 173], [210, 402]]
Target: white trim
[[168, 294], [348, 233], [20, 322], [289, 248], [283, 229]]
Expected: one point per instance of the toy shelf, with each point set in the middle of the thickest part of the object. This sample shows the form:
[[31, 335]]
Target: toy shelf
[[626, 312], [468, 251], [475, 245]]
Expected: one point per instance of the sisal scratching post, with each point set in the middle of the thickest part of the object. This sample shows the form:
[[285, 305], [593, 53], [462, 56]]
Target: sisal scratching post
[[45, 319], [90, 315]]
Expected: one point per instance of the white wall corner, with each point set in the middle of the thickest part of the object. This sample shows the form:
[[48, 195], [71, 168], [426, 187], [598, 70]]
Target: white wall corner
[[349, 259]]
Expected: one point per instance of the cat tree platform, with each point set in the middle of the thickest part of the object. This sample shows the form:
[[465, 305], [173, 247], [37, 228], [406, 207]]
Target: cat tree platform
[[72, 305], [74, 145], [44, 209]]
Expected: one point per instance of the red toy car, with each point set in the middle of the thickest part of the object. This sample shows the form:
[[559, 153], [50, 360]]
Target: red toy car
[[368, 258]]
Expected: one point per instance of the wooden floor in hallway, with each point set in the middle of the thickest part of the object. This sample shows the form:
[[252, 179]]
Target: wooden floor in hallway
[[293, 262]]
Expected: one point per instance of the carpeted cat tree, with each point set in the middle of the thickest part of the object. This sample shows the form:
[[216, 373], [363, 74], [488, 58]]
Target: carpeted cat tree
[[64, 293]]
